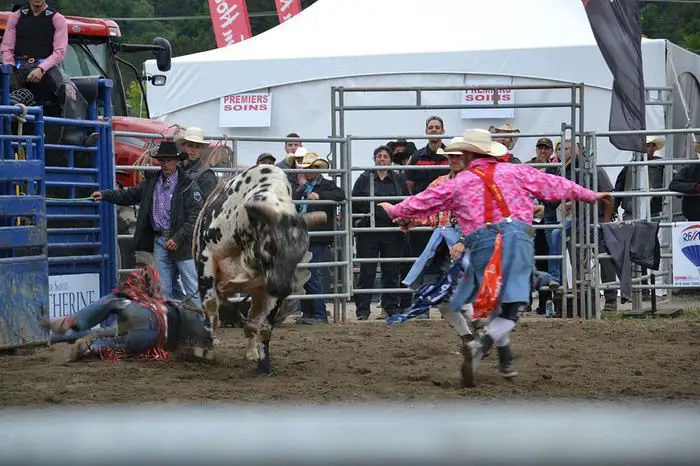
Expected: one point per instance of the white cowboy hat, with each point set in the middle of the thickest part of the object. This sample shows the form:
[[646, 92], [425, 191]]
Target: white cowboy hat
[[312, 160], [479, 141], [656, 140], [444, 152], [195, 135], [296, 156]]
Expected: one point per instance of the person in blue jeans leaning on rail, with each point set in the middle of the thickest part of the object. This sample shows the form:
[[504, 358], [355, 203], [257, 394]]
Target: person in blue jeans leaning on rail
[[169, 202]]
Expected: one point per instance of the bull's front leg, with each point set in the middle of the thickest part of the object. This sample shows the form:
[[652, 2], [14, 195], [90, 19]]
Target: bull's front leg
[[264, 364], [261, 305]]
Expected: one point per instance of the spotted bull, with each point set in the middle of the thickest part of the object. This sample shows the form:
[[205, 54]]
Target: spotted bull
[[249, 239]]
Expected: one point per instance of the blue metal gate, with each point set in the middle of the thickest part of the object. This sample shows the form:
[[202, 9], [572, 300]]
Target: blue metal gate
[[78, 234], [24, 284]]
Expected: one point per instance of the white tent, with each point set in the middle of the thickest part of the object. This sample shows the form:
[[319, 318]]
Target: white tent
[[370, 43]]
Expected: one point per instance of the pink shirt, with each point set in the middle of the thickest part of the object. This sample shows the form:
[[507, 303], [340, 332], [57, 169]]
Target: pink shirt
[[60, 41], [464, 195]]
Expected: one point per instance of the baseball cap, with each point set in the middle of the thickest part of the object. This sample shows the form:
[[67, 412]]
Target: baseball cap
[[544, 142], [266, 155]]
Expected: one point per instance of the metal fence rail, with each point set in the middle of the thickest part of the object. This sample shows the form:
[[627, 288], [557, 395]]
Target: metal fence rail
[[478, 432], [583, 253]]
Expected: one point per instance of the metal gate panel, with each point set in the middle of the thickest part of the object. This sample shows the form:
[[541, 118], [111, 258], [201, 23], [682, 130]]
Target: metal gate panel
[[81, 232], [24, 284]]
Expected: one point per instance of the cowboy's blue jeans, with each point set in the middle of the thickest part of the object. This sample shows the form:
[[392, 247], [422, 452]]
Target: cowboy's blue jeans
[[142, 333]]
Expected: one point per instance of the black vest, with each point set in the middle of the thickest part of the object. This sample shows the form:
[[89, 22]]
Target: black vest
[[35, 34]]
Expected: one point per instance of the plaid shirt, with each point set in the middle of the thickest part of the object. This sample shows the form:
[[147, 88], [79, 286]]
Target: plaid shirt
[[441, 219], [162, 201]]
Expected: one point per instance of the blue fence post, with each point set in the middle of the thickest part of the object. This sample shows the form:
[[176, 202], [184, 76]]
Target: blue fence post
[[107, 210]]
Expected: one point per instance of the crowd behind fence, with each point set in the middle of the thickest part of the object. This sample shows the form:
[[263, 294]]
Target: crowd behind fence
[[585, 279]]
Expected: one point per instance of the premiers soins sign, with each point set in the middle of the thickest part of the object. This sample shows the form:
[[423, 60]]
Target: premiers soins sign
[[251, 110], [482, 97], [70, 293]]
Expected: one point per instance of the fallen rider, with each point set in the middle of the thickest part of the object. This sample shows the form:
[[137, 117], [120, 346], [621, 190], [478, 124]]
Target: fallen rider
[[148, 325]]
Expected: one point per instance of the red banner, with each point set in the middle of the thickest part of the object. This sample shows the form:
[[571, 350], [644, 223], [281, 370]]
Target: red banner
[[287, 8], [230, 21]]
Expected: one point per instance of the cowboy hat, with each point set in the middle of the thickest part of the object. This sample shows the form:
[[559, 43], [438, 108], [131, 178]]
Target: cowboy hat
[[506, 128], [167, 150], [454, 140], [195, 135], [296, 156], [312, 160], [658, 141], [479, 141]]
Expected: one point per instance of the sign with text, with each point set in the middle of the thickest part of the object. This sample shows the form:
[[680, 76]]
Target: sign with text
[[685, 239], [70, 293], [250, 110], [287, 9], [230, 21], [482, 97]]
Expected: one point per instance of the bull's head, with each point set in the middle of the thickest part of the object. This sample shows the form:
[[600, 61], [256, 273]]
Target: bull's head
[[282, 239]]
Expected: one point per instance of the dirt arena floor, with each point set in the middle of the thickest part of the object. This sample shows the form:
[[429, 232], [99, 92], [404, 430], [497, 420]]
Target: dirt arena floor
[[654, 359]]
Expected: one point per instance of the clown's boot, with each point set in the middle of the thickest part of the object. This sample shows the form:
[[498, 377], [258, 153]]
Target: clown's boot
[[505, 362]]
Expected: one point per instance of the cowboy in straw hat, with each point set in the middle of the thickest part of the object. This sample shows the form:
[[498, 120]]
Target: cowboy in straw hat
[[509, 142], [625, 183], [508, 216], [193, 144], [314, 187]]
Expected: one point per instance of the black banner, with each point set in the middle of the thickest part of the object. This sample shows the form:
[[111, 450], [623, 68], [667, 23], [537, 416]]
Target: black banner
[[618, 31]]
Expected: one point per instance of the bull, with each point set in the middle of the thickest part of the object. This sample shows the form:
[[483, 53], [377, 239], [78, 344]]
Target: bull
[[250, 239]]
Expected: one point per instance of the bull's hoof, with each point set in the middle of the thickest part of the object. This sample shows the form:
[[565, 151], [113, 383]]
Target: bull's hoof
[[264, 367], [252, 355]]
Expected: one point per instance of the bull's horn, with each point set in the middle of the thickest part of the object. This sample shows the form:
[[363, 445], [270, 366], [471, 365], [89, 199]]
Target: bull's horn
[[263, 212], [314, 218]]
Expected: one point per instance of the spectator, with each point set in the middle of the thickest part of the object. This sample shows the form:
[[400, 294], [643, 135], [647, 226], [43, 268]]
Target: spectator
[[290, 147], [605, 212], [687, 181], [313, 187], [193, 143], [401, 151], [625, 183], [418, 180], [544, 148], [291, 161], [509, 142], [169, 205], [378, 244], [265, 159]]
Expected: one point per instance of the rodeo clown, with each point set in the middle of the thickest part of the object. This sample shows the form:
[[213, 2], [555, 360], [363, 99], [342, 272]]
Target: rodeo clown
[[492, 202], [148, 324]]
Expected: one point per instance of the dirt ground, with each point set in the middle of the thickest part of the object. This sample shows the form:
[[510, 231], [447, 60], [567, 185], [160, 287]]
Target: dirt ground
[[368, 361]]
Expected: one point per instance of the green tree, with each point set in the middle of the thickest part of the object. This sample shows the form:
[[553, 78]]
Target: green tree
[[134, 99]]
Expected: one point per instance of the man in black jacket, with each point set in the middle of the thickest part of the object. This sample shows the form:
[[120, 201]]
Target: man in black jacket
[[687, 181], [378, 244], [169, 203], [314, 187]]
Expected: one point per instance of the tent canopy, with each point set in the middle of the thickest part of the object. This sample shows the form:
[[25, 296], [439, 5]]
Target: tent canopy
[[338, 38]]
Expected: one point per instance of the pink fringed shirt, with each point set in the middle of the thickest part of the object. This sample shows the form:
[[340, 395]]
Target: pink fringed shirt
[[464, 195]]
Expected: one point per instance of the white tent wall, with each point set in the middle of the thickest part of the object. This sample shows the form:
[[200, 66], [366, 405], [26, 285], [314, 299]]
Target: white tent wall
[[305, 107], [339, 38]]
